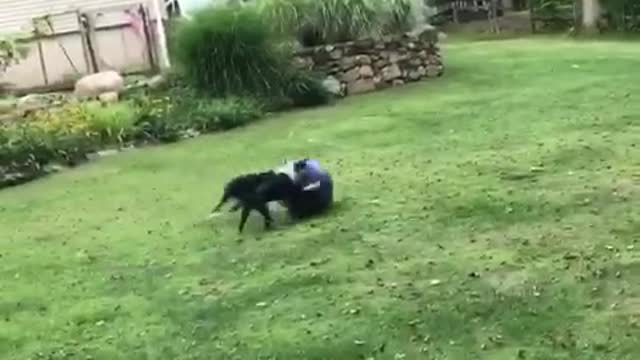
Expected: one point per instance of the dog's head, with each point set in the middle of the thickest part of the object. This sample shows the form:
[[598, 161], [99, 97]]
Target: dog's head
[[300, 165]]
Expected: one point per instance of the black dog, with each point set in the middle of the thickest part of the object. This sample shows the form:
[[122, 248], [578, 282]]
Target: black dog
[[254, 191]]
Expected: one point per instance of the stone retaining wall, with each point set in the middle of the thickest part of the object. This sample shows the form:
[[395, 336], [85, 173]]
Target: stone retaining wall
[[371, 64]]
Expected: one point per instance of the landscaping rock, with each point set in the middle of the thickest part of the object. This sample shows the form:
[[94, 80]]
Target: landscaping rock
[[351, 75], [363, 60], [107, 152], [379, 64], [434, 71], [375, 63], [415, 61], [394, 57], [365, 71], [102, 153], [348, 63], [96, 84], [335, 54], [332, 85], [391, 72], [156, 82], [303, 62], [414, 75], [361, 86], [53, 168]]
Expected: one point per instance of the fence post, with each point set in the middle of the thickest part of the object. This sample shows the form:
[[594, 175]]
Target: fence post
[[38, 38], [87, 44], [43, 64], [576, 15], [162, 40], [532, 15], [454, 10], [90, 31], [146, 25]]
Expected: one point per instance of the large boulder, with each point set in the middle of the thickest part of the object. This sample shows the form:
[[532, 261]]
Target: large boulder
[[361, 86], [156, 82], [332, 85], [99, 83]]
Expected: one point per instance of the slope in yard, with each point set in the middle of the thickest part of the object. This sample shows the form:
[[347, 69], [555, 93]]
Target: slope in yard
[[492, 214]]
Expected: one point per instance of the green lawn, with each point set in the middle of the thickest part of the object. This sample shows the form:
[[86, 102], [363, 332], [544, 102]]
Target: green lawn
[[490, 214]]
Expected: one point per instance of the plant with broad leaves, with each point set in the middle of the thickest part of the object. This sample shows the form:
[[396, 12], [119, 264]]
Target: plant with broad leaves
[[11, 51]]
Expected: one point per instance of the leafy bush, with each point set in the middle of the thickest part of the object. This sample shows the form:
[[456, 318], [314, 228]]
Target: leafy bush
[[113, 124], [62, 135], [154, 121], [315, 22], [230, 50], [398, 16], [622, 15], [223, 114], [11, 52], [167, 118]]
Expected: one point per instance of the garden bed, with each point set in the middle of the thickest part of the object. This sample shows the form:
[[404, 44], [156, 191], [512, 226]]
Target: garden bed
[[69, 134]]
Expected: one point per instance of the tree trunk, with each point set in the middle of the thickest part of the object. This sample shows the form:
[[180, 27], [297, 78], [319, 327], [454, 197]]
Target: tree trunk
[[590, 15], [493, 16], [454, 9]]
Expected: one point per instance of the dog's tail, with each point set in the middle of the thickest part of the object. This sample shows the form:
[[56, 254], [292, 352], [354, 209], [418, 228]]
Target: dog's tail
[[223, 200]]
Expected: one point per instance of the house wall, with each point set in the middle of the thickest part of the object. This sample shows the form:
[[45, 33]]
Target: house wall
[[118, 45]]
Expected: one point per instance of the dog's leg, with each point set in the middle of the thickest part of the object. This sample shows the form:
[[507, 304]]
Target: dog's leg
[[235, 207], [243, 217], [263, 209]]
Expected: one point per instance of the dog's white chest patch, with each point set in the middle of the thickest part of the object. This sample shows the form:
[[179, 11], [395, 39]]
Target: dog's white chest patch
[[287, 169]]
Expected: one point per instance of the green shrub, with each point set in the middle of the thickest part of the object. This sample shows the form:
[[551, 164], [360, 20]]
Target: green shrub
[[397, 16], [113, 124], [230, 50], [154, 120], [61, 135], [223, 114], [11, 51], [315, 22], [167, 118]]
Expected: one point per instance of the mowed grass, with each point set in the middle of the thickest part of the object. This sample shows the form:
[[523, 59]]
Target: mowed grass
[[490, 214]]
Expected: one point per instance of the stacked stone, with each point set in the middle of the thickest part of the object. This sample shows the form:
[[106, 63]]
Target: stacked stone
[[371, 64]]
